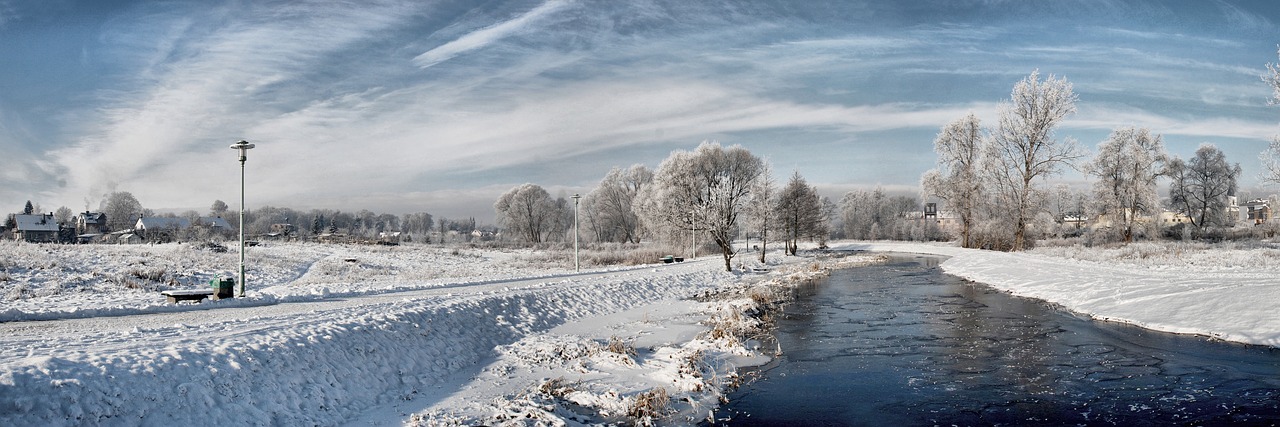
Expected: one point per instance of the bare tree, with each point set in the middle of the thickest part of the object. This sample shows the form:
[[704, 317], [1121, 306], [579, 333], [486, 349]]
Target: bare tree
[[704, 190], [122, 210], [1024, 148], [1127, 166], [218, 209], [760, 210], [610, 203], [526, 211], [800, 212], [1201, 186], [1271, 156], [63, 215], [419, 223], [958, 180]]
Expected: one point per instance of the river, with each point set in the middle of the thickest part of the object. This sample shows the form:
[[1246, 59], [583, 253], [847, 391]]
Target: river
[[905, 344]]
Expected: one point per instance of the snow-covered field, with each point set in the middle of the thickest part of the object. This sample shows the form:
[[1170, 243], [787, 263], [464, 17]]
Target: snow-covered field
[[362, 335], [357, 334]]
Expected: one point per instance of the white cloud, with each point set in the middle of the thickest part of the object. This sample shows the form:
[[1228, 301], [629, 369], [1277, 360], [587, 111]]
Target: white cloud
[[485, 36], [204, 86], [1108, 117]]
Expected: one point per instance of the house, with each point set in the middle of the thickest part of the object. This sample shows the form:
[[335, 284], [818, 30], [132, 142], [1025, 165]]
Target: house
[[1257, 211], [127, 238], [91, 223], [39, 228], [284, 229], [215, 223], [163, 229], [1075, 219], [1169, 219]]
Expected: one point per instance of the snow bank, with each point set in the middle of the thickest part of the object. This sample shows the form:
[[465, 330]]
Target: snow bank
[[318, 366], [1231, 293], [668, 363]]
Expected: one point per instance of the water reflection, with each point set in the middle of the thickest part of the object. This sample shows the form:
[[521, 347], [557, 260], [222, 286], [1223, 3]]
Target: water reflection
[[903, 344]]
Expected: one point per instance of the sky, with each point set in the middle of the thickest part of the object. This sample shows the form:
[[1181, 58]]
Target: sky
[[402, 106]]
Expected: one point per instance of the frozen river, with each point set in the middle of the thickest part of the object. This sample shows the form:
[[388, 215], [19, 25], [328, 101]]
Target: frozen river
[[905, 344]]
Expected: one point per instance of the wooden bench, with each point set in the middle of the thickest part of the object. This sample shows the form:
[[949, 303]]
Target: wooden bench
[[193, 295]]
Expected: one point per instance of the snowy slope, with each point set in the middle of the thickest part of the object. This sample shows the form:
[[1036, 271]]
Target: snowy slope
[[316, 362]]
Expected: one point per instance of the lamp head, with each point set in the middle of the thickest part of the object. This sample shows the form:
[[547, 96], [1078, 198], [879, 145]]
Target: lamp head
[[244, 147]]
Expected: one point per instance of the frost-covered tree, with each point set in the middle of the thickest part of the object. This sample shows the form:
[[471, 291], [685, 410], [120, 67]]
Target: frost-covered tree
[[610, 203], [218, 209], [761, 216], [1200, 187], [800, 213], [122, 210], [418, 223], [1271, 156], [561, 219], [526, 211], [1272, 77], [703, 190], [63, 215], [874, 215], [1127, 166], [958, 179], [1023, 148]]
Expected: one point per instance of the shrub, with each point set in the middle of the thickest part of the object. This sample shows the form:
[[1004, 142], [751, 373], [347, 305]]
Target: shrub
[[649, 406]]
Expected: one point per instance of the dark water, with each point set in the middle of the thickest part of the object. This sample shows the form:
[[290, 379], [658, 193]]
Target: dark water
[[904, 344]]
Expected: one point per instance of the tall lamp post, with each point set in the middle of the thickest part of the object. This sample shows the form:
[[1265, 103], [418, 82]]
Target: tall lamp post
[[244, 147], [576, 266]]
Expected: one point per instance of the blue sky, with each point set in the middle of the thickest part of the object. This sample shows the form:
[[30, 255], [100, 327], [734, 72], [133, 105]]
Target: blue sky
[[440, 106]]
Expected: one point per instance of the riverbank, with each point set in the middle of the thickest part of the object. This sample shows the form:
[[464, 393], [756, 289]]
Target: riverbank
[[1227, 293], [338, 334], [668, 363]]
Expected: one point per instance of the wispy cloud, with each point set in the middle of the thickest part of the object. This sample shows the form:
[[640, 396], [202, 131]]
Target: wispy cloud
[[1108, 117], [8, 13], [335, 94], [486, 36], [202, 86]]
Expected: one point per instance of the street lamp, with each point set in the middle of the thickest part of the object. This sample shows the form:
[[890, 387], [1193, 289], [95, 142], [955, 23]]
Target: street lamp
[[244, 147], [576, 266]]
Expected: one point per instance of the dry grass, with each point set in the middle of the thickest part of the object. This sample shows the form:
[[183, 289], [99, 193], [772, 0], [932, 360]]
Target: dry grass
[[558, 387], [649, 406], [625, 348]]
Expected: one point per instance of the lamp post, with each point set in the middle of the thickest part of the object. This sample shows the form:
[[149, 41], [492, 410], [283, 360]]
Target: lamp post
[[576, 266], [244, 147]]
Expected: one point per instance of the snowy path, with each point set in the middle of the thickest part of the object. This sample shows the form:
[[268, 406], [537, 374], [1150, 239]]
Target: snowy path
[[317, 362], [257, 316]]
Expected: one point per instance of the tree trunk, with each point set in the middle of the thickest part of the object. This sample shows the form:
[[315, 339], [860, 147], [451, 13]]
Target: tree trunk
[[763, 247]]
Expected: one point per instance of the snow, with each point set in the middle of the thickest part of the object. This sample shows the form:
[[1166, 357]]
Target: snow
[[1222, 291], [369, 335]]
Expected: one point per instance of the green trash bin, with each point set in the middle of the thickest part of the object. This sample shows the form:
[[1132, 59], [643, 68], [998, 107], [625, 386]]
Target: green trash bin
[[223, 288]]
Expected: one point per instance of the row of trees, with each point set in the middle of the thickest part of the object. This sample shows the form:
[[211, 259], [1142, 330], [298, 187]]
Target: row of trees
[[993, 178], [122, 210], [717, 192]]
